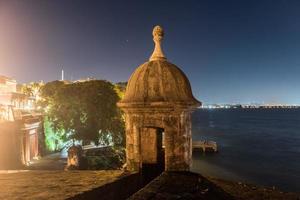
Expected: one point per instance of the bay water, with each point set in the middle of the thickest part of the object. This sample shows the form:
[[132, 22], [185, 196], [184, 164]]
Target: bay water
[[258, 146]]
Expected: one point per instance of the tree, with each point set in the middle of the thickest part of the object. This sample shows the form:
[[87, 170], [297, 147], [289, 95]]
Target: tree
[[48, 95], [86, 111], [32, 89], [120, 88]]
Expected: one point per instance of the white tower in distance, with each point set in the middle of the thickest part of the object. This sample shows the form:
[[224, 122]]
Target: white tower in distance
[[62, 75]]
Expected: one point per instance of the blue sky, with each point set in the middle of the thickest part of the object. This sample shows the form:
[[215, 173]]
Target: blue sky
[[232, 51]]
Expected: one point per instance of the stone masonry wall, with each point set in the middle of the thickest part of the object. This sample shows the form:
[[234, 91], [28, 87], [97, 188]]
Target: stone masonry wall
[[139, 142]]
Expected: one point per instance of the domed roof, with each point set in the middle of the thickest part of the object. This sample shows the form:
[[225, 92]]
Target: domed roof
[[158, 82]]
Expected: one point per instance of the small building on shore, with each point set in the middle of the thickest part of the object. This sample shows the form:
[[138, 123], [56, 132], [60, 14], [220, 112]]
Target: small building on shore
[[158, 103], [20, 126]]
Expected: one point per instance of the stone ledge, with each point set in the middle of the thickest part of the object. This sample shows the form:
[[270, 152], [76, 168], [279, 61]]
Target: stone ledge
[[180, 185]]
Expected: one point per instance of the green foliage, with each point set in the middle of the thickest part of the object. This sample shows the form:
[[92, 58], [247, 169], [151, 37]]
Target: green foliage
[[105, 158], [55, 141], [48, 95], [87, 110], [120, 88], [32, 89]]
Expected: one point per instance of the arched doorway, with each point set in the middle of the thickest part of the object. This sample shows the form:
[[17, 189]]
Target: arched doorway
[[152, 153]]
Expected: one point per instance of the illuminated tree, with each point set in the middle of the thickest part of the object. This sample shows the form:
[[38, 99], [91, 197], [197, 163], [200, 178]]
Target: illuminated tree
[[86, 111], [32, 89], [120, 88]]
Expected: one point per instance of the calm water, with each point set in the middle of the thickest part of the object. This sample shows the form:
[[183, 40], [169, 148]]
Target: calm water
[[260, 146]]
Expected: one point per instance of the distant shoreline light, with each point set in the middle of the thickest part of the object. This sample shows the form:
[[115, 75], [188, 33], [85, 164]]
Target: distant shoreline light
[[250, 106]]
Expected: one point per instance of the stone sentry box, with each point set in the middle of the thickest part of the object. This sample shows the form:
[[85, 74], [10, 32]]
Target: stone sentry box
[[158, 103]]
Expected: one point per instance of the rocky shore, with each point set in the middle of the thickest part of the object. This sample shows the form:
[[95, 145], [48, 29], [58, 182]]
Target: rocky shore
[[245, 191]]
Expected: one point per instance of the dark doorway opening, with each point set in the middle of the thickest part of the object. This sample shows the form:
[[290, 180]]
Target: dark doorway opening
[[153, 153]]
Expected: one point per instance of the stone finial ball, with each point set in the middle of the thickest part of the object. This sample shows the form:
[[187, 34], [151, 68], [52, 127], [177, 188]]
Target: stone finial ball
[[158, 32]]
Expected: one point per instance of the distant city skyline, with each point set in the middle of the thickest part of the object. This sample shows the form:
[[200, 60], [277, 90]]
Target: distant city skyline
[[231, 51]]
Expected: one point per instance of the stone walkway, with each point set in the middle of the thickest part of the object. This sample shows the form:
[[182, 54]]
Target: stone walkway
[[56, 185], [56, 161], [118, 185]]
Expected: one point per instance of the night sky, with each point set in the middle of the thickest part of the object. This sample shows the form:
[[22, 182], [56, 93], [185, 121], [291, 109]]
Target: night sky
[[232, 51]]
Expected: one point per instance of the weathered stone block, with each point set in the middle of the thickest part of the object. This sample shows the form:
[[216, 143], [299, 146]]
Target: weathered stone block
[[74, 158]]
